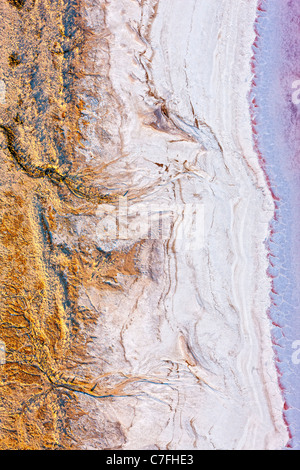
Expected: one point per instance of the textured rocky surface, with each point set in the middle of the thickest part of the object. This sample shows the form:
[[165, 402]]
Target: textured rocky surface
[[148, 339]]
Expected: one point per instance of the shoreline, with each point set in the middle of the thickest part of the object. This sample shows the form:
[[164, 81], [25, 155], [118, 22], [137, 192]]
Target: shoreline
[[161, 111], [275, 129]]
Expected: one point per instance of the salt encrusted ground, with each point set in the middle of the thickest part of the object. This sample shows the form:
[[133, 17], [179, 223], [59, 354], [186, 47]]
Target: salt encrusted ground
[[173, 79]]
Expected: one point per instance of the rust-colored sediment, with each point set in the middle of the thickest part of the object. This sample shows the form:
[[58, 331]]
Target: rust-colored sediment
[[44, 44]]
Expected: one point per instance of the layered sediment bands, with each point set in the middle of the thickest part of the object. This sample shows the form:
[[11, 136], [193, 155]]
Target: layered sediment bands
[[149, 339], [45, 330]]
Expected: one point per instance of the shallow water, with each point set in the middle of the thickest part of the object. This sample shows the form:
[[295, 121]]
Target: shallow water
[[277, 70]]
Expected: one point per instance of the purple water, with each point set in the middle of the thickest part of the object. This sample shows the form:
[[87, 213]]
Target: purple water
[[276, 117]]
